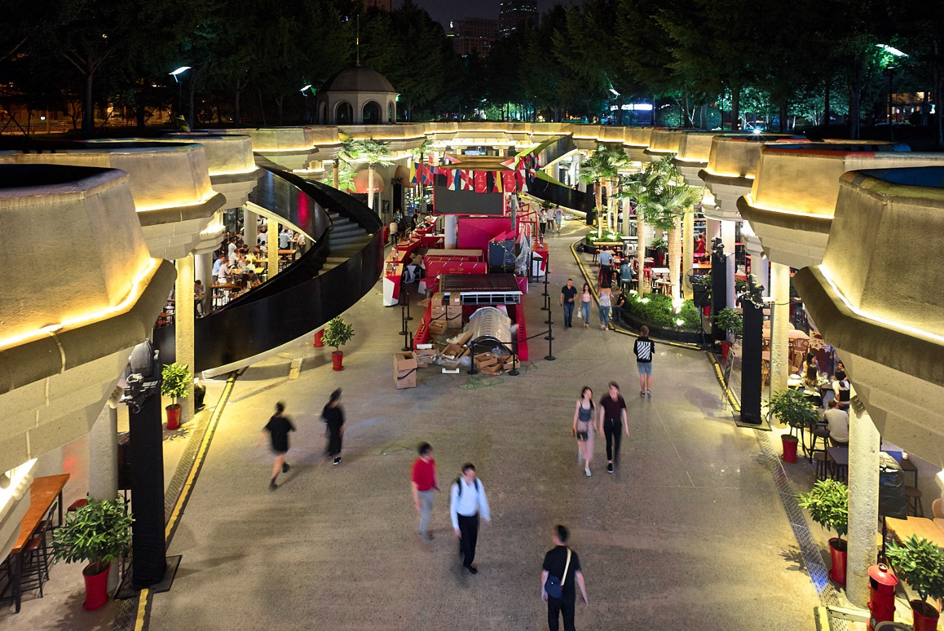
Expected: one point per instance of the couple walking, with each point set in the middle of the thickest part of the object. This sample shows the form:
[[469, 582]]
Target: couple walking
[[467, 502], [611, 421]]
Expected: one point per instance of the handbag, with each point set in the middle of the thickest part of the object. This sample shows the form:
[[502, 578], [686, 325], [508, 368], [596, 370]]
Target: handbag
[[555, 586]]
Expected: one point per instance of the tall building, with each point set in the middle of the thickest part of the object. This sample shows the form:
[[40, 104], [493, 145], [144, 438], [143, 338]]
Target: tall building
[[514, 13], [473, 35]]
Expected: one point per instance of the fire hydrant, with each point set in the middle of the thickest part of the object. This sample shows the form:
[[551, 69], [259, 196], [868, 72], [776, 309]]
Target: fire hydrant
[[882, 585]]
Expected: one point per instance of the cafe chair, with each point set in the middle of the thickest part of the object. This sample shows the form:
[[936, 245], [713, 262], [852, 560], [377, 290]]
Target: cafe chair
[[818, 433], [913, 497], [822, 467]]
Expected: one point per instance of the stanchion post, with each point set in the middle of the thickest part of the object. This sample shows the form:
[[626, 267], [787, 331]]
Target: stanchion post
[[550, 344], [407, 294], [514, 356], [403, 330], [473, 370]]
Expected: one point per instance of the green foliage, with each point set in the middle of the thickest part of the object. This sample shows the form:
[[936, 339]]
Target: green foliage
[[175, 381], [97, 533], [660, 193], [337, 333], [690, 315], [373, 152], [730, 320], [921, 563], [828, 503], [792, 407], [608, 236], [659, 243], [657, 309]]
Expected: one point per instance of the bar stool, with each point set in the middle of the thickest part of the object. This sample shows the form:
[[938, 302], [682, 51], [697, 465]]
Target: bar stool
[[913, 497], [821, 465], [818, 432]]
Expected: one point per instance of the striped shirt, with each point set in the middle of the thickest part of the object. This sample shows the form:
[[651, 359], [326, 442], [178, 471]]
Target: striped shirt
[[643, 349]]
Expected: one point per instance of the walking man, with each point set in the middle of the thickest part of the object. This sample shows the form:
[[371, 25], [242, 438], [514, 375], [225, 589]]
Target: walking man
[[568, 294], [278, 428], [644, 349], [612, 414], [563, 565], [558, 218], [606, 263], [466, 502], [424, 482], [333, 416]]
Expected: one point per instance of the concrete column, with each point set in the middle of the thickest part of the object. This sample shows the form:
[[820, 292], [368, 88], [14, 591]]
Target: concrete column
[[273, 259], [760, 267], [712, 230], [183, 326], [864, 445], [727, 236], [625, 209], [688, 252], [250, 228], [103, 462], [451, 232], [780, 327], [203, 271]]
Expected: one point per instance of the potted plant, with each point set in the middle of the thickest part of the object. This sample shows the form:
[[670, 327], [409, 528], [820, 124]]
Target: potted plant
[[921, 563], [97, 533], [175, 383], [337, 334], [828, 503], [732, 322], [794, 409]]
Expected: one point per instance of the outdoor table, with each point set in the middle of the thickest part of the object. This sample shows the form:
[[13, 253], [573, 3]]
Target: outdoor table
[[840, 459], [43, 492], [924, 528]]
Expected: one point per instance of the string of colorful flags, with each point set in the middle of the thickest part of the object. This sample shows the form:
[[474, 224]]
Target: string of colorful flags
[[521, 170]]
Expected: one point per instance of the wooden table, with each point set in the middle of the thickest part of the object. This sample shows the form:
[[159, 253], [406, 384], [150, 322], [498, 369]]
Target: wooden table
[[840, 459], [903, 529], [43, 492]]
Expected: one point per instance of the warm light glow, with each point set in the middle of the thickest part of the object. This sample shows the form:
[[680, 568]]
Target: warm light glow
[[251, 169], [208, 197], [87, 318], [20, 478], [933, 337], [798, 213]]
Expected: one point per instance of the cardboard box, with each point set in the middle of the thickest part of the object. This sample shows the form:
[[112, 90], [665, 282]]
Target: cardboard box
[[454, 351], [453, 317], [455, 299], [509, 365], [404, 370], [437, 327], [465, 337], [486, 358], [425, 356]]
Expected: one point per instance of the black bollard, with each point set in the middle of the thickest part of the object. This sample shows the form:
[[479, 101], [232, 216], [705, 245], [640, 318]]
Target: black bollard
[[514, 357], [550, 344], [407, 305], [403, 330]]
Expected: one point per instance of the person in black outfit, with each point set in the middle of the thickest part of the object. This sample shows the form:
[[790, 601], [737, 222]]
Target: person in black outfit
[[619, 303], [277, 429], [555, 564], [568, 293], [333, 416], [612, 415]]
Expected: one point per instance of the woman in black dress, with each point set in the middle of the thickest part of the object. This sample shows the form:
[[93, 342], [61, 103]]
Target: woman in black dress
[[333, 416]]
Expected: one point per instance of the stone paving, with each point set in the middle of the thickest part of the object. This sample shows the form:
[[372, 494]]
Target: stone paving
[[690, 534]]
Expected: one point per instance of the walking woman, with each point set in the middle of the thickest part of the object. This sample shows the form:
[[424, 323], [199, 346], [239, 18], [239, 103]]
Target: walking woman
[[583, 427], [605, 295], [585, 299], [333, 416]]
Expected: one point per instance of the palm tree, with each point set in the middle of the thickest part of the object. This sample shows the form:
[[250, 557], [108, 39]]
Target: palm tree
[[345, 154], [374, 152], [419, 152], [602, 167], [662, 199]]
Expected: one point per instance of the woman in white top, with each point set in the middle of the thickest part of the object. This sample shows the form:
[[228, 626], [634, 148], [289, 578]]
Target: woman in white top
[[605, 295], [585, 299]]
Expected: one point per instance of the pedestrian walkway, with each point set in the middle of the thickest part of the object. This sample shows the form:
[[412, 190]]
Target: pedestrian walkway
[[689, 534]]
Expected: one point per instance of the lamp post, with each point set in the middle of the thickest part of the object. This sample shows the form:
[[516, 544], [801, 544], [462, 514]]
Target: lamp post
[[307, 111], [894, 52], [180, 97]]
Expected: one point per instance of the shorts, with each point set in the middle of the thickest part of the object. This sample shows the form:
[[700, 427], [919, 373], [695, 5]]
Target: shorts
[[645, 368]]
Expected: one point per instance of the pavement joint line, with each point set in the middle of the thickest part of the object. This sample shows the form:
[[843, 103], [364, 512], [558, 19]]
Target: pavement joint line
[[596, 297], [141, 621]]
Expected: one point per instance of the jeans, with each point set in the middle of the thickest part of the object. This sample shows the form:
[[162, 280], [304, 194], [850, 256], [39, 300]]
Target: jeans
[[617, 315], [585, 312], [557, 606], [605, 316], [611, 429], [469, 529], [426, 508], [568, 313]]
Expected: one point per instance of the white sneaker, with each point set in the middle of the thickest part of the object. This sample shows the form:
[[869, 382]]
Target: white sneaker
[[587, 471]]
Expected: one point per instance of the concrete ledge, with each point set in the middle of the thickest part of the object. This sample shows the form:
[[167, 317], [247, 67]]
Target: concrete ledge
[[175, 214]]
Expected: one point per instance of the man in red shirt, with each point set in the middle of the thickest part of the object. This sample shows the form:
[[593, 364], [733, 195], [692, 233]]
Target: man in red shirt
[[423, 480]]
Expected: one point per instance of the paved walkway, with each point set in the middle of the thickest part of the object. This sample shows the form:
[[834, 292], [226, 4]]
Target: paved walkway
[[691, 534]]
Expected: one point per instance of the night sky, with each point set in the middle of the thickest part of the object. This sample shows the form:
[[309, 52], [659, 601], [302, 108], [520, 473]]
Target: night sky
[[445, 10]]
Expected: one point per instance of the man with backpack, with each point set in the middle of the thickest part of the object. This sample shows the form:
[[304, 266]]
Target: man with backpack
[[466, 502], [561, 569]]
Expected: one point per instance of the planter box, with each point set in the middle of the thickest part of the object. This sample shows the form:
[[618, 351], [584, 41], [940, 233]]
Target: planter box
[[658, 332]]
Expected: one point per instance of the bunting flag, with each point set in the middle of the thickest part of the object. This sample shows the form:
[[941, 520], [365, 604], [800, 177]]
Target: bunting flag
[[509, 181], [456, 180], [496, 181], [450, 178], [481, 181], [412, 172], [467, 180], [428, 174]]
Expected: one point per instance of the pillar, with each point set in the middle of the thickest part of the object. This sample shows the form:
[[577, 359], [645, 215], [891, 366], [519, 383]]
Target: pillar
[[760, 267], [864, 445], [183, 326], [624, 208], [450, 231], [103, 462], [728, 236], [203, 271], [712, 230], [272, 267], [250, 230], [688, 252], [780, 327]]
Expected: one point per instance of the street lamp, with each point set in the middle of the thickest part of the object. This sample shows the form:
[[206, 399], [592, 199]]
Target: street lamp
[[894, 52], [307, 111], [180, 96]]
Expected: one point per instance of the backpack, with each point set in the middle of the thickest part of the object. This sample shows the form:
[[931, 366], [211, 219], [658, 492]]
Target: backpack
[[478, 486]]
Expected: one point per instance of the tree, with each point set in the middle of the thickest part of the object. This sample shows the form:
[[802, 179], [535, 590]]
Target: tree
[[373, 152]]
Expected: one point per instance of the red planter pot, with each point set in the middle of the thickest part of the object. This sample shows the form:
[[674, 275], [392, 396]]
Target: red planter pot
[[725, 349], [789, 447], [336, 358], [837, 553], [319, 339], [925, 616], [96, 588], [173, 416]]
